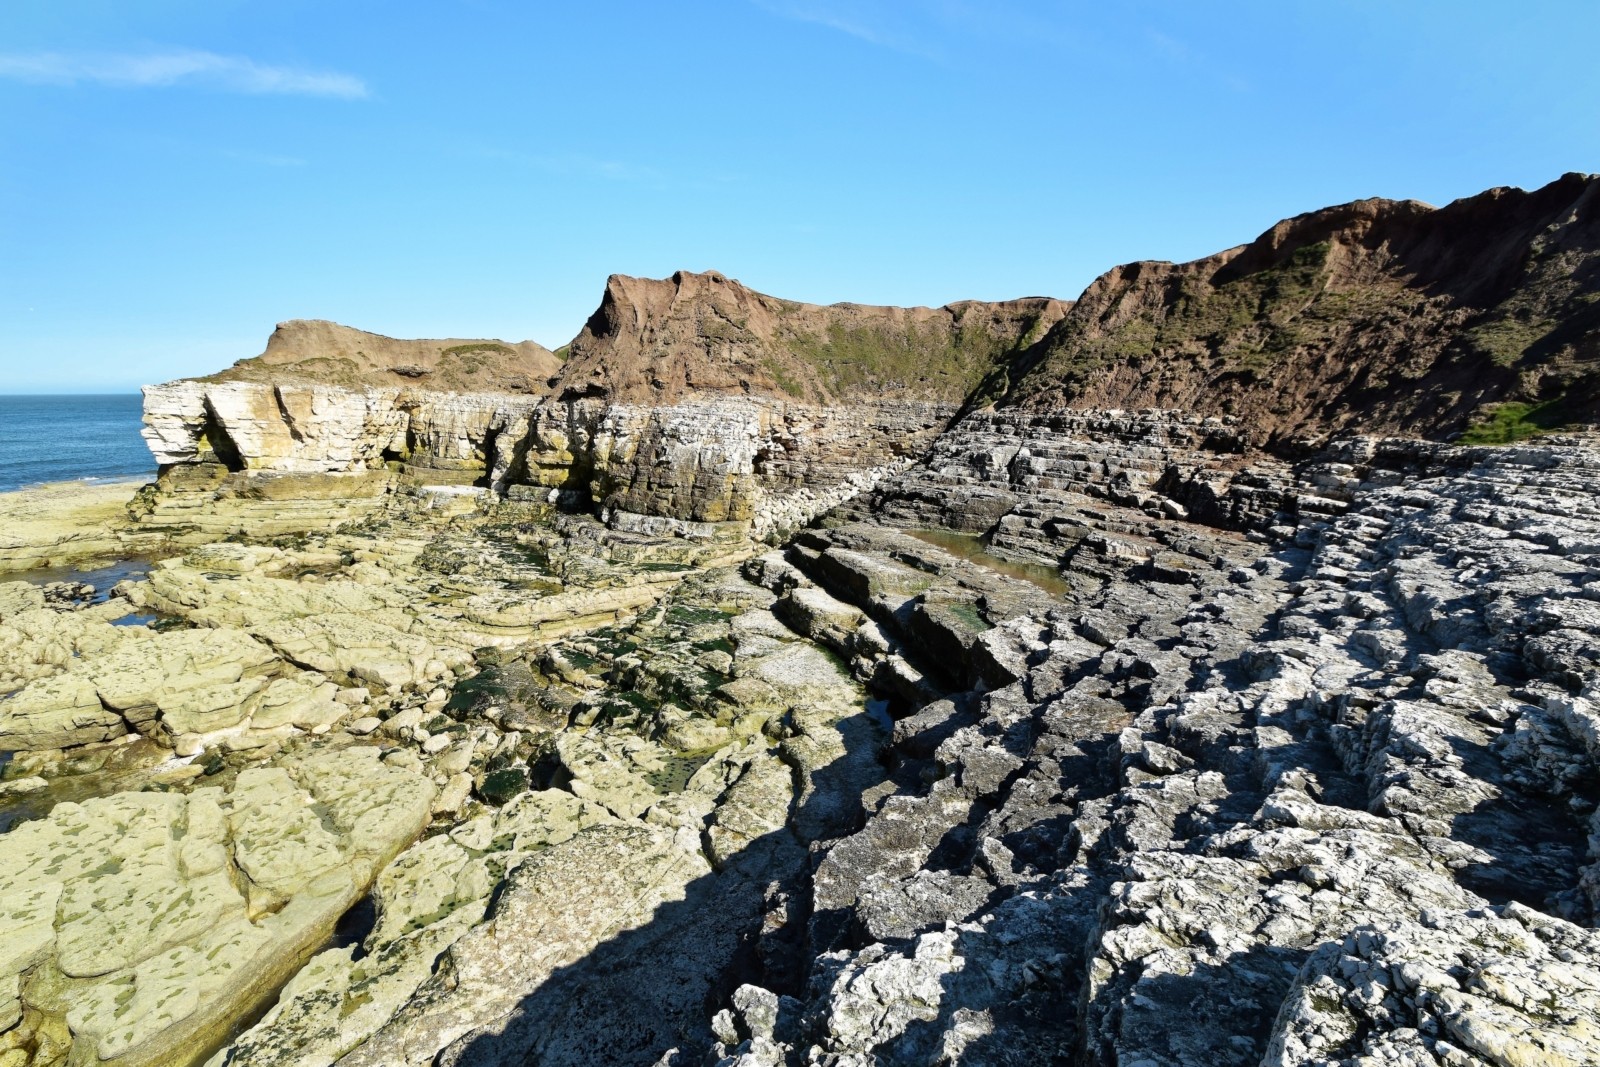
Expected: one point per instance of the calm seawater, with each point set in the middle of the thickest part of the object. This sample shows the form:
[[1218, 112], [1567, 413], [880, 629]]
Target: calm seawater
[[59, 438]]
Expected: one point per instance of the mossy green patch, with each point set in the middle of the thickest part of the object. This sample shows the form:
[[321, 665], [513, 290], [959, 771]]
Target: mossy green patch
[[1507, 340], [501, 786], [716, 644], [690, 615], [784, 379], [852, 359], [675, 772], [488, 686], [969, 615], [1246, 321], [1515, 421]]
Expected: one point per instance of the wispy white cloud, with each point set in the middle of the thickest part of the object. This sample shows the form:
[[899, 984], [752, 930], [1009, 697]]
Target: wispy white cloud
[[941, 31], [1010, 24], [586, 166], [872, 31], [265, 159], [234, 74], [593, 167], [1181, 53], [578, 164]]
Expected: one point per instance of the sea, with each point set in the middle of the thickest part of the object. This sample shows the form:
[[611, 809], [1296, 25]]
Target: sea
[[65, 438]]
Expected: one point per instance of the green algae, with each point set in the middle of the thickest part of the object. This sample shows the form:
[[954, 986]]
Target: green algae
[[971, 548]]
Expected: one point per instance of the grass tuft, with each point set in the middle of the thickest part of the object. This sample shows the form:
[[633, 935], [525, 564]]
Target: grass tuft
[[1515, 421]]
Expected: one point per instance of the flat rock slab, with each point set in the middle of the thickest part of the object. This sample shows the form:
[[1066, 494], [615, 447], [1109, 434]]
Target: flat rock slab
[[149, 922], [539, 924], [193, 680]]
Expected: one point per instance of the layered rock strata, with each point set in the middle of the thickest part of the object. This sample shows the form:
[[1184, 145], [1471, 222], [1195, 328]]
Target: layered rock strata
[[1091, 736], [69, 524], [698, 400], [768, 463], [694, 400], [1023, 478], [1279, 781]]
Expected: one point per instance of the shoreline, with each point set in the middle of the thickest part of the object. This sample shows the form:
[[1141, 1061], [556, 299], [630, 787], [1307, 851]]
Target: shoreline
[[90, 480], [69, 524]]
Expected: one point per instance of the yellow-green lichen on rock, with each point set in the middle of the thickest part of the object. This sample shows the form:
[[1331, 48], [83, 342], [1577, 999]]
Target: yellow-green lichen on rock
[[147, 922]]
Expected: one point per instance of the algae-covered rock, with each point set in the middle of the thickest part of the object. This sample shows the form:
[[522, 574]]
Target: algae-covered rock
[[537, 925], [57, 713], [147, 921]]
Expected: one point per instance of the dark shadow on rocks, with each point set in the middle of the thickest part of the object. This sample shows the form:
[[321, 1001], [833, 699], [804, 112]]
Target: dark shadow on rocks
[[1220, 1015], [1538, 845], [1017, 1001], [355, 925], [656, 987]]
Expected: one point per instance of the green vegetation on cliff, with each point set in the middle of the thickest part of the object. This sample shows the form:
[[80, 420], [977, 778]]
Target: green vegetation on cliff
[[1377, 316], [1516, 421], [1242, 324], [853, 359]]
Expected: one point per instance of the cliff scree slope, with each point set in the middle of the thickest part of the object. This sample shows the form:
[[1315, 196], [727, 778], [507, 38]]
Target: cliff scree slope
[[315, 350], [657, 341], [1378, 315]]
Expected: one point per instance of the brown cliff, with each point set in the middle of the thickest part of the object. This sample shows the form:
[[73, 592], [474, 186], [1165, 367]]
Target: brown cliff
[[315, 350], [1379, 315], [659, 341]]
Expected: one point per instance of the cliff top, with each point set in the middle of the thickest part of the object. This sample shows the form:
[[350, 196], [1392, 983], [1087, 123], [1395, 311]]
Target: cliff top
[[321, 351], [658, 340], [1384, 316]]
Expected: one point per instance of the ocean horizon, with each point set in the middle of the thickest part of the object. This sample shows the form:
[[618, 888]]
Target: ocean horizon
[[71, 437]]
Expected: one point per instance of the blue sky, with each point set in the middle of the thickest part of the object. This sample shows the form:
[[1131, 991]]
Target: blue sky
[[176, 175]]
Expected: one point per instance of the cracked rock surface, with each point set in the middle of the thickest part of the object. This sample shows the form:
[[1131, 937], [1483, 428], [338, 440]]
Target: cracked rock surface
[[1321, 799], [1192, 758]]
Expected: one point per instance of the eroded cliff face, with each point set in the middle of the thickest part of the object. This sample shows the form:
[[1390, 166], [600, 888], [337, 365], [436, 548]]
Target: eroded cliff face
[[759, 464], [658, 341], [1376, 316], [695, 399], [683, 404]]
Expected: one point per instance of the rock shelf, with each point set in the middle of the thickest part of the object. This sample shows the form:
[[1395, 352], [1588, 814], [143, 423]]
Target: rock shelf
[[1307, 784], [649, 704]]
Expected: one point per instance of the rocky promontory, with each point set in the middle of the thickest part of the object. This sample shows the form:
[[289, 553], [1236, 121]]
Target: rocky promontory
[[657, 341], [320, 351], [1373, 317], [1201, 672]]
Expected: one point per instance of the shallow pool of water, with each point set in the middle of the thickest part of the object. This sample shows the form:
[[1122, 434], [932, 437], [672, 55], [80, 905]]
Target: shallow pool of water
[[970, 547], [99, 772], [102, 578]]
